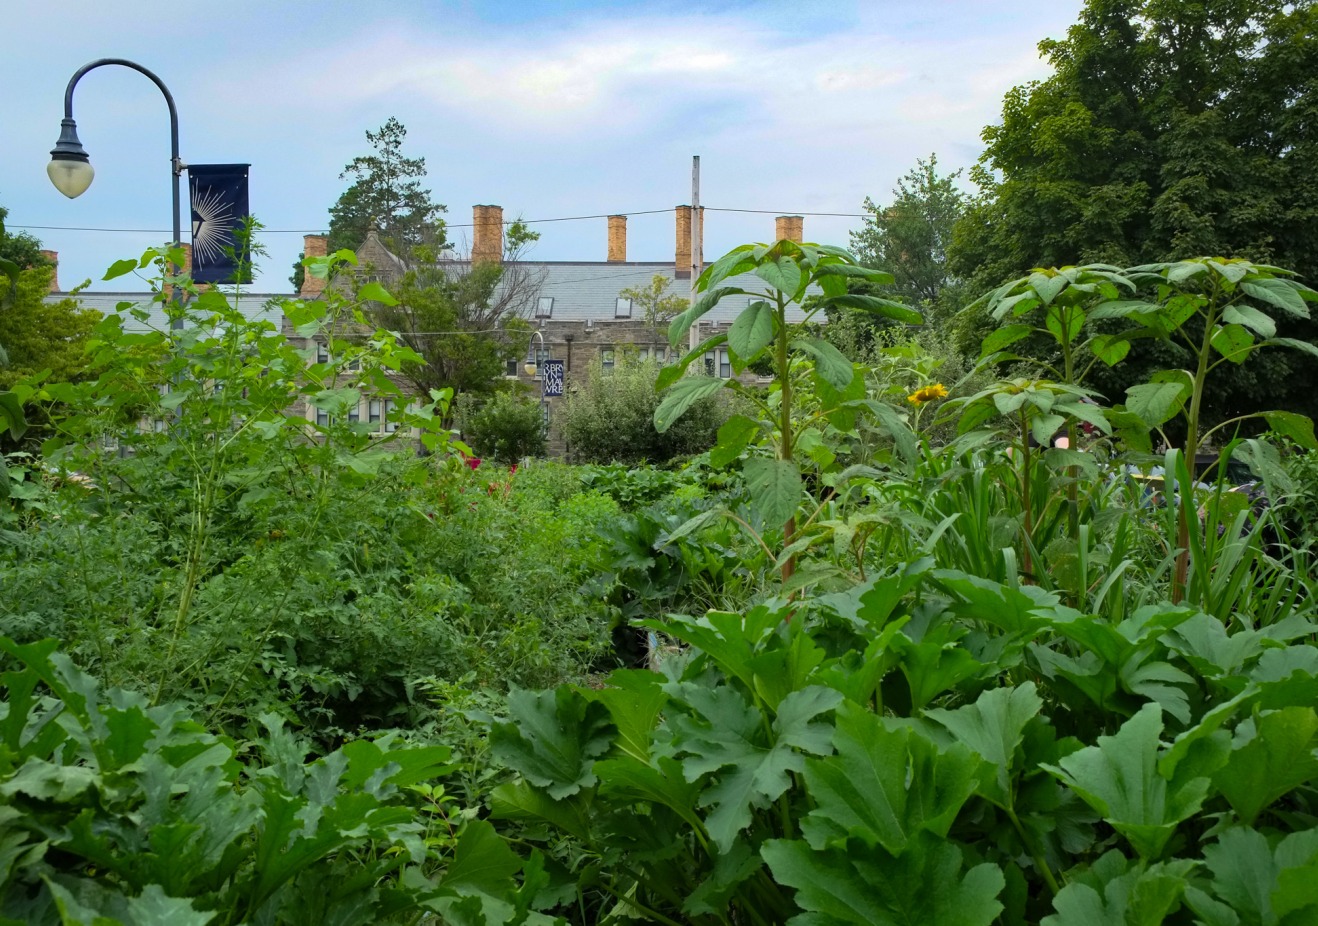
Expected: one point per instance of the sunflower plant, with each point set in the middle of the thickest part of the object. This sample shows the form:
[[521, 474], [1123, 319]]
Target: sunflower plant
[[770, 279]]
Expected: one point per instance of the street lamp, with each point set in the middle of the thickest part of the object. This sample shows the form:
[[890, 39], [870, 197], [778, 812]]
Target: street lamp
[[70, 169], [530, 366]]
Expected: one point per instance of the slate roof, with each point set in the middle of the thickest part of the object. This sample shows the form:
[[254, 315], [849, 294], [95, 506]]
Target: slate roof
[[589, 289]]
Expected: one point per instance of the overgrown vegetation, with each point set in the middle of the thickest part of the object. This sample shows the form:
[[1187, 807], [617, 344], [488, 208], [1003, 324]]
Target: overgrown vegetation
[[907, 636]]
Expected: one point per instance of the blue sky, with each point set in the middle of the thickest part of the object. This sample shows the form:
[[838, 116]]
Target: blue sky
[[548, 109]]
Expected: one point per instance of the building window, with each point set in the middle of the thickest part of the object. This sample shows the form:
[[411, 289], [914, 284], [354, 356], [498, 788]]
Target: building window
[[322, 352], [607, 358], [390, 426], [375, 413], [540, 356], [355, 413], [709, 363], [322, 418], [544, 307], [724, 365], [355, 365], [510, 366], [623, 308]]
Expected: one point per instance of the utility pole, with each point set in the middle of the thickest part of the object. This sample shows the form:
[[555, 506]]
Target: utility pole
[[697, 236]]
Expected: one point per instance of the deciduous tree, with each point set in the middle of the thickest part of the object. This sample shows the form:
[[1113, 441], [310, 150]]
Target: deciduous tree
[[1169, 130]]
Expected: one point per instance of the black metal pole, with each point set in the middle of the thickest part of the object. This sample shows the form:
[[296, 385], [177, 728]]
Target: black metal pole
[[176, 165]]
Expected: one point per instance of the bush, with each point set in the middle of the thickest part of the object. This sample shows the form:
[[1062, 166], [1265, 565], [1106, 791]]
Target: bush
[[610, 418], [506, 428]]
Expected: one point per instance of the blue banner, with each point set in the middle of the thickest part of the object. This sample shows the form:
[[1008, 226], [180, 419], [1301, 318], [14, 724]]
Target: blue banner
[[219, 207], [553, 378]]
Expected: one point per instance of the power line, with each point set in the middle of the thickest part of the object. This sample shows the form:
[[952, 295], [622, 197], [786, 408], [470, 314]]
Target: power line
[[565, 218]]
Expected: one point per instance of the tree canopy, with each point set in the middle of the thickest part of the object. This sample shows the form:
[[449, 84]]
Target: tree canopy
[[386, 193], [1168, 130], [465, 320], [909, 237]]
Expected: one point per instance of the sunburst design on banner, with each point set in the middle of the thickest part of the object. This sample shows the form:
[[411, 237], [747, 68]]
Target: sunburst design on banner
[[211, 235]]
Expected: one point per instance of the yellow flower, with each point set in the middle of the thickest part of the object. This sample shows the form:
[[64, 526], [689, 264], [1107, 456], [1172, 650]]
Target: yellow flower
[[927, 394]]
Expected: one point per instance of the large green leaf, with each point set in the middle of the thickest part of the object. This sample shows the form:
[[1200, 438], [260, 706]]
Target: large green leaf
[[682, 395], [775, 488], [1109, 348], [634, 698], [994, 727], [1282, 294], [1277, 758], [724, 737], [1119, 778], [1064, 322], [482, 861], [1156, 403], [1296, 427], [12, 418], [1256, 882], [866, 887], [1251, 318], [679, 326], [734, 436], [552, 738], [1116, 893], [832, 366], [783, 274], [1004, 337], [752, 331], [884, 786], [1233, 342], [876, 305]]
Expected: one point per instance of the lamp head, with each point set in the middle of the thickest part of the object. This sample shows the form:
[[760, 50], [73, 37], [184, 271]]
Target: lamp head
[[70, 169], [529, 367]]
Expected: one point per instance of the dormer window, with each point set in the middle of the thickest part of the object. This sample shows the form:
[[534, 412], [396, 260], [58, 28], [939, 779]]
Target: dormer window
[[623, 308], [544, 307]]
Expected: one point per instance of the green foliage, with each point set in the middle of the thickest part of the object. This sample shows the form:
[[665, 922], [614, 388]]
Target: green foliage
[[40, 337], [609, 417], [124, 812], [793, 754], [386, 193], [909, 238], [789, 271], [656, 304], [1165, 130], [506, 428]]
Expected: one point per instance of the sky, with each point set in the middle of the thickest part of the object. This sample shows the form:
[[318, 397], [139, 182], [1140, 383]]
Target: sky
[[549, 109]]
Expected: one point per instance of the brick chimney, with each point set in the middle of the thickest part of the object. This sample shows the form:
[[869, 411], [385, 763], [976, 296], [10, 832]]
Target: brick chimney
[[53, 257], [789, 228], [313, 246], [617, 238], [487, 234], [682, 255]]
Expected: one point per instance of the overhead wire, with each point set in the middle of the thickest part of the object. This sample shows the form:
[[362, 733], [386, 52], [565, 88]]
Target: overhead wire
[[565, 218]]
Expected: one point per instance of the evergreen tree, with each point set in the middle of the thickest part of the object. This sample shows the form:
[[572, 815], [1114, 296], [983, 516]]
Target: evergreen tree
[[386, 194]]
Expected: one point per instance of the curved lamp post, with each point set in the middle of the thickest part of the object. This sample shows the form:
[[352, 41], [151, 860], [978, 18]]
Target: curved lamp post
[[70, 169], [531, 369]]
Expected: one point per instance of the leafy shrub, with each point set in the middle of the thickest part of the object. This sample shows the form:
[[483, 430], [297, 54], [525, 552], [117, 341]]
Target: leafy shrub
[[935, 747], [119, 812], [609, 418], [505, 428]]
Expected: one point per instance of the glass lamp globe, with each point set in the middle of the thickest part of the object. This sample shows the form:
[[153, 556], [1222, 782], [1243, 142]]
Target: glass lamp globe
[[70, 176]]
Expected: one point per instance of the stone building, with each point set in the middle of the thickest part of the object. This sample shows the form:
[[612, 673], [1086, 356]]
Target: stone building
[[577, 306]]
